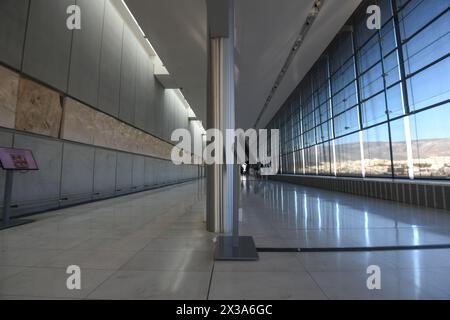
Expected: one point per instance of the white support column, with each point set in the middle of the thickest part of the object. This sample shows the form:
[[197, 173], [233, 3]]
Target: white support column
[[220, 111], [223, 180]]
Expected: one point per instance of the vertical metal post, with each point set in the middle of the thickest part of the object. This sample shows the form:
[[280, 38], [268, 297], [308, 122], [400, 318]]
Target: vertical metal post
[[214, 172], [220, 110], [7, 199], [229, 187], [222, 180]]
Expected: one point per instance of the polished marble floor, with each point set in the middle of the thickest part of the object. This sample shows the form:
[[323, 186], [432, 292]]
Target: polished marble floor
[[153, 245], [284, 215]]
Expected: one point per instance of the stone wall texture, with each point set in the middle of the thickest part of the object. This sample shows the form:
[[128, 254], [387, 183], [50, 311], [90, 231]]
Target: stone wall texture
[[38, 109], [83, 124], [28, 106], [9, 86]]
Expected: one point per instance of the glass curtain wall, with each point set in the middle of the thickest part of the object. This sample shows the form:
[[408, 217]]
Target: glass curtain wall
[[377, 102]]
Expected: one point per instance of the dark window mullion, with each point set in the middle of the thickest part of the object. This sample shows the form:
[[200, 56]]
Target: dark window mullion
[[358, 89], [387, 112], [398, 40]]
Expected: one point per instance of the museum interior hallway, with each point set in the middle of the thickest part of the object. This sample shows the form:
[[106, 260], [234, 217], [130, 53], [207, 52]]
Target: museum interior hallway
[[153, 245]]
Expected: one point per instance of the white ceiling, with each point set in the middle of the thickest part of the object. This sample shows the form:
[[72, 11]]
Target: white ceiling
[[177, 32], [332, 17], [265, 33]]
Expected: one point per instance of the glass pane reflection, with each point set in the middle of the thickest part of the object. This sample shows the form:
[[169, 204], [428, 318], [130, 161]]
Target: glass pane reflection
[[431, 142], [362, 110], [377, 155]]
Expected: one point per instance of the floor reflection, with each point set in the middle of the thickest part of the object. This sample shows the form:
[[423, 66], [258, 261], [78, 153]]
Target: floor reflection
[[296, 216]]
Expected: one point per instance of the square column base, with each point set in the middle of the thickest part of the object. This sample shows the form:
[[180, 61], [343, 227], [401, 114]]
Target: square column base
[[245, 251]]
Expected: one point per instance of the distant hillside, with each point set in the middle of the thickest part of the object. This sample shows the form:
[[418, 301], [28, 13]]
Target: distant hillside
[[423, 149]]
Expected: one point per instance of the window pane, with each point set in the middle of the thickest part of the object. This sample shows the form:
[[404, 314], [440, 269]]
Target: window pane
[[399, 134], [323, 132], [308, 106], [388, 41], [341, 50], [310, 138], [386, 10], [299, 162], [417, 13], [320, 73], [323, 113], [377, 155], [290, 163], [298, 143], [429, 45], [374, 110], [306, 88], [391, 69], [395, 101], [324, 159], [345, 99], [283, 165], [346, 122], [431, 141], [430, 86], [323, 94], [343, 76], [348, 156], [371, 82], [309, 122], [369, 54], [310, 160]]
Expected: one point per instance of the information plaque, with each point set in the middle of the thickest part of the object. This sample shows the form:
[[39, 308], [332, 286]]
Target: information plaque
[[17, 159]]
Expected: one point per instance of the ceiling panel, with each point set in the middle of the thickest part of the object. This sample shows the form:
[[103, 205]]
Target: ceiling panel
[[177, 32], [265, 33]]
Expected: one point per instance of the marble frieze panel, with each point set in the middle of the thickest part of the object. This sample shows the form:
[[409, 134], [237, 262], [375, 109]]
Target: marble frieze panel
[[78, 122], [9, 86], [38, 109], [105, 127]]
